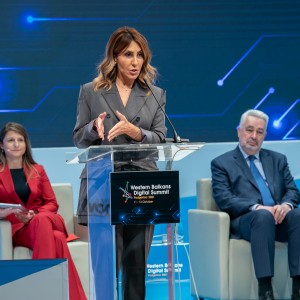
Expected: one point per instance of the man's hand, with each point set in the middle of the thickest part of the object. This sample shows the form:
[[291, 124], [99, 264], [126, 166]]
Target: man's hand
[[280, 212]]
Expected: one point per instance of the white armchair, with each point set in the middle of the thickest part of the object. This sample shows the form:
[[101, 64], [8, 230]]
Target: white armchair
[[78, 248], [223, 267]]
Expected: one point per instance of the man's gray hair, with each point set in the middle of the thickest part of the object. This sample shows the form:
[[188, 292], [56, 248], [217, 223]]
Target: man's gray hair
[[254, 113]]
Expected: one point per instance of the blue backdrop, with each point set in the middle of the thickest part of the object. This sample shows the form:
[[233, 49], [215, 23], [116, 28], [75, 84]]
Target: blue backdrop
[[215, 58]]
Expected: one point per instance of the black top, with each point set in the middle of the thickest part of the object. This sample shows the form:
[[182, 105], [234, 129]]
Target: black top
[[21, 187]]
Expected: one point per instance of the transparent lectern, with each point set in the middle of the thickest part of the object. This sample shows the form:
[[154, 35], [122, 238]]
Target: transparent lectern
[[101, 162]]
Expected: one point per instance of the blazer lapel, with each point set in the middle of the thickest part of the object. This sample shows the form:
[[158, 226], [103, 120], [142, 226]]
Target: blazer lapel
[[113, 100], [135, 102], [8, 185], [242, 164]]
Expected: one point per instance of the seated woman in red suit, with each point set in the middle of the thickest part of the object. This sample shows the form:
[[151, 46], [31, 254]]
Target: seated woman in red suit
[[23, 181]]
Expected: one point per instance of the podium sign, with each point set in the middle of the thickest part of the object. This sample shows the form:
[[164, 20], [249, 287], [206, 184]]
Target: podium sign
[[144, 197]]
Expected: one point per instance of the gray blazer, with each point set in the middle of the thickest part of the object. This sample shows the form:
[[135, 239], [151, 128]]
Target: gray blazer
[[141, 110]]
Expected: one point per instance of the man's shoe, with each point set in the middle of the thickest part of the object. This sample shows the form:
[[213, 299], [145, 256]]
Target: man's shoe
[[267, 296], [296, 296]]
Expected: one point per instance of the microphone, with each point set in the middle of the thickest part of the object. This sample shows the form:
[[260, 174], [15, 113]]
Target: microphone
[[177, 138]]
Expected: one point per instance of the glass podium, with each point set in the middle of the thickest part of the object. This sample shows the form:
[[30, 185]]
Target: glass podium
[[101, 162]]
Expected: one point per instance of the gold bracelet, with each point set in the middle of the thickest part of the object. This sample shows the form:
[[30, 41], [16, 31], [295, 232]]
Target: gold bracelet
[[140, 131]]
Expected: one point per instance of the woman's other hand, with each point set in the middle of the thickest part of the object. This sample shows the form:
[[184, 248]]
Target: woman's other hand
[[124, 127], [24, 217], [99, 126]]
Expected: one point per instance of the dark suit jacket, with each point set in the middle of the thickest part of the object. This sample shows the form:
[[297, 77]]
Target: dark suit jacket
[[235, 190], [41, 198]]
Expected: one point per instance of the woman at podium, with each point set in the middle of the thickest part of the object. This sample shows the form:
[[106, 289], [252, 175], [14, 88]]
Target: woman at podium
[[122, 106]]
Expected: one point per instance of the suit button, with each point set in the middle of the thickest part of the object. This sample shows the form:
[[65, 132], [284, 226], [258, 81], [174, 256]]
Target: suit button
[[137, 119], [108, 116]]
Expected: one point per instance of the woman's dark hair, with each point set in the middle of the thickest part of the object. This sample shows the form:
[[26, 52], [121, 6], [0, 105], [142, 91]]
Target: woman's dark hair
[[28, 160]]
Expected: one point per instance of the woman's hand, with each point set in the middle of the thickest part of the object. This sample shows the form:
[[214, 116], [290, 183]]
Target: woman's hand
[[124, 127], [24, 217], [4, 212], [98, 124]]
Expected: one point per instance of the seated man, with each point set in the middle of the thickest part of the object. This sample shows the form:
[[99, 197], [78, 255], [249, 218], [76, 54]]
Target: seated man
[[255, 187]]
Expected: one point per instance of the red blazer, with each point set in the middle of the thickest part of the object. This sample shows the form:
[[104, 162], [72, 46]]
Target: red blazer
[[41, 198]]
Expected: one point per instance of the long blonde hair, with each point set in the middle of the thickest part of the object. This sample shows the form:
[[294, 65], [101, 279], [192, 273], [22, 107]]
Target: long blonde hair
[[118, 42]]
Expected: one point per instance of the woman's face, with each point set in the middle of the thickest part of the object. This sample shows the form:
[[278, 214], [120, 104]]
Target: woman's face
[[130, 63], [14, 145]]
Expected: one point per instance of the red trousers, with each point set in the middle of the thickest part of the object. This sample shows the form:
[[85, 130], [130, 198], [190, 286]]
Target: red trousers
[[46, 235]]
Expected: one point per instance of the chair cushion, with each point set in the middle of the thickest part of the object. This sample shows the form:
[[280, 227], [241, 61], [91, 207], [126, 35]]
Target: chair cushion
[[22, 253]]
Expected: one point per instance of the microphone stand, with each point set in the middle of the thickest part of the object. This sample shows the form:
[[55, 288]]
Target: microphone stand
[[170, 227], [177, 138]]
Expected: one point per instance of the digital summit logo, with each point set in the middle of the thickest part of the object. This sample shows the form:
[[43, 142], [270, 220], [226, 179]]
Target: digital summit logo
[[126, 194]]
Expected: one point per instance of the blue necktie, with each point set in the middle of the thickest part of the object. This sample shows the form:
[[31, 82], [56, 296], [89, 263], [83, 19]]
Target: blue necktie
[[264, 190]]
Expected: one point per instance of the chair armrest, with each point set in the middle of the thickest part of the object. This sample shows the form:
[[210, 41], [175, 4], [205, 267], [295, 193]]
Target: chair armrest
[[6, 250], [80, 254], [81, 231], [209, 249]]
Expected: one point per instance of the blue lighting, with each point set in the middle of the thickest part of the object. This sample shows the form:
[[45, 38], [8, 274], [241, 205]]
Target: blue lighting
[[18, 68], [277, 124], [220, 82], [40, 102], [287, 136], [30, 19], [265, 36], [289, 109], [271, 90], [283, 121]]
